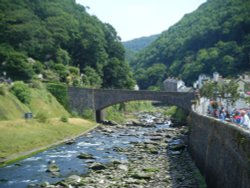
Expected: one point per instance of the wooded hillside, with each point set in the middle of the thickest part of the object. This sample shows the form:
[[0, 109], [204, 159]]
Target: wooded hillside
[[215, 37], [59, 40]]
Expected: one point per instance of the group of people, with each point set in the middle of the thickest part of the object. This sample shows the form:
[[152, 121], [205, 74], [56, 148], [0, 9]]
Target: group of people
[[240, 117]]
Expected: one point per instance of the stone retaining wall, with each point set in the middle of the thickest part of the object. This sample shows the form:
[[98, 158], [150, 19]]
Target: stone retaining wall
[[221, 151]]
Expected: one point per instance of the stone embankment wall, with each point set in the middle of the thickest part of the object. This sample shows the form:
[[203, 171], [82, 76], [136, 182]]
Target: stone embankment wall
[[221, 151]]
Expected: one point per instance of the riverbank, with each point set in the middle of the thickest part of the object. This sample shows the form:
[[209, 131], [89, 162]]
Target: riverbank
[[21, 138]]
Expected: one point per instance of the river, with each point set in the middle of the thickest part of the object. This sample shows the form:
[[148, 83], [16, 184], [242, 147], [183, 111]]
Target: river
[[161, 147]]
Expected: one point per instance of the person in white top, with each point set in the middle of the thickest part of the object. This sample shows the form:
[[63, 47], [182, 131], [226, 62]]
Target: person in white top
[[245, 120]]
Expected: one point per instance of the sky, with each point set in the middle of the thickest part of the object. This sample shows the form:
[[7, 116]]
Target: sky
[[137, 18]]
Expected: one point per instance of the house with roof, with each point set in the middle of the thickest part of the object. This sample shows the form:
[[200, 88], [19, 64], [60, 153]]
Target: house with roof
[[244, 84], [175, 85]]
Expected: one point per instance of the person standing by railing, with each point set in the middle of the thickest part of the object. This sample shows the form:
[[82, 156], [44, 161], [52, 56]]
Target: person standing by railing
[[245, 120], [222, 114]]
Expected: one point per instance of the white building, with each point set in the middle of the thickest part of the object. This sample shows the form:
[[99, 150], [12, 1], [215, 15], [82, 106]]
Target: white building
[[201, 80], [174, 85]]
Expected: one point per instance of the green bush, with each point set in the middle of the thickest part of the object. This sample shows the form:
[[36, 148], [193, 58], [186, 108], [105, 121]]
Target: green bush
[[36, 84], [42, 117], [64, 119], [21, 91], [74, 70], [177, 113], [88, 114], [3, 89], [114, 114], [60, 91], [74, 114], [62, 71], [50, 76], [17, 66], [38, 67]]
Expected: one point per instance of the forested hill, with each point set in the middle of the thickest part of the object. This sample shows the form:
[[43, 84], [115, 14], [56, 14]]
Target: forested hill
[[215, 37], [59, 41], [136, 45], [140, 43]]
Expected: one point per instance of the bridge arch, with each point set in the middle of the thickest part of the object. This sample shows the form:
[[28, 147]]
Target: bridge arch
[[98, 99]]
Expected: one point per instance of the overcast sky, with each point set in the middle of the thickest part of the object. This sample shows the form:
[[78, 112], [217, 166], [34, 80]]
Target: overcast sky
[[136, 18]]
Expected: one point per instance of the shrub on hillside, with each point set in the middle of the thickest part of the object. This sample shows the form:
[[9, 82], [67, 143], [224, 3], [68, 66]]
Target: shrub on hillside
[[60, 91], [88, 114], [3, 89], [61, 70], [64, 119], [176, 113], [74, 113], [74, 70], [50, 76], [42, 117], [36, 84], [21, 91], [17, 66]]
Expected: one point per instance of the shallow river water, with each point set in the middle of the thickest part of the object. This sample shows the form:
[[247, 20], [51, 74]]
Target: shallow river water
[[98, 143]]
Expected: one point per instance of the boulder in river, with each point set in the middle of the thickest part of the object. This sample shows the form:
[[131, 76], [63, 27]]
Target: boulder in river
[[85, 156], [142, 175], [111, 123], [53, 168], [73, 179], [123, 167], [97, 166]]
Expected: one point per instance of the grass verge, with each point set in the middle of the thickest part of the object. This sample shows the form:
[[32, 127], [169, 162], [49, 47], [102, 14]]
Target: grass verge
[[120, 112], [20, 138], [176, 113]]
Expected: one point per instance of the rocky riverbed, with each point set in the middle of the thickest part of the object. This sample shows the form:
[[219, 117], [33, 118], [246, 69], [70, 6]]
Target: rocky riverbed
[[158, 159]]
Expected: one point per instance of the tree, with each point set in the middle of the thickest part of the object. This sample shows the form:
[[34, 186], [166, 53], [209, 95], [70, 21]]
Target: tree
[[117, 74], [208, 90], [93, 79], [153, 76], [226, 91], [230, 92], [17, 67], [114, 47]]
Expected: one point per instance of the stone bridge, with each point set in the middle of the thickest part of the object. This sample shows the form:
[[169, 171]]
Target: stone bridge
[[81, 99]]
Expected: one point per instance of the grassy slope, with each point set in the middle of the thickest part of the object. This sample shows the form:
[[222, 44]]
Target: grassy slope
[[45, 102], [18, 136], [11, 108], [41, 101]]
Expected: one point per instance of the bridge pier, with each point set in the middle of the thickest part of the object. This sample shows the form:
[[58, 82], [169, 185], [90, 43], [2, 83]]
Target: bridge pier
[[99, 116]]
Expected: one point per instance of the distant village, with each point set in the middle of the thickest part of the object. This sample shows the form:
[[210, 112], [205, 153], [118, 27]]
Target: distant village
[[176, 85]]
